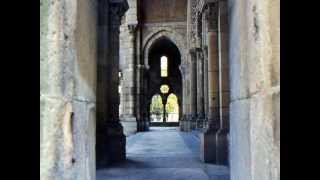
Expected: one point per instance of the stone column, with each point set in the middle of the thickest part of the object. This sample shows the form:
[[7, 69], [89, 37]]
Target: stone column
[[186, 100], [128, 119], [102, 85], [193, 88], [142, 120], [200, 93], [68, 68], [115, 138], [222, 142], [183, 119], [205, 86], [208, 140]]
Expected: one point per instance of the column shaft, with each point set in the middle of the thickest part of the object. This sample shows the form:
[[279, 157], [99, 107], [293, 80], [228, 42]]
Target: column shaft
[[222, 141], [193, 88], [115, 141], [129, 120], [208, 138], [200, 90]]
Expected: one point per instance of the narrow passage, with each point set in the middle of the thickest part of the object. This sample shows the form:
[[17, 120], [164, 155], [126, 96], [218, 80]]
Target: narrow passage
[[163, 153]]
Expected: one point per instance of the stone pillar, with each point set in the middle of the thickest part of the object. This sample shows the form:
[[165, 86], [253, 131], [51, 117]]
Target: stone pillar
[[138, 96], [145, 100], [222, 142], [164, 102], [102, 85], [205, 85], [183, 119], [193, 88], [200, 90], [128, 120], [208, 140], [116, 141], [68, 66]]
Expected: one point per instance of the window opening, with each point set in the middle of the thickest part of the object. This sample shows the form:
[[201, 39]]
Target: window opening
[[164, 66]]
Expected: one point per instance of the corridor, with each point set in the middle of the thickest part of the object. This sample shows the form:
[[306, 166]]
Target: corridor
[[163, 153]]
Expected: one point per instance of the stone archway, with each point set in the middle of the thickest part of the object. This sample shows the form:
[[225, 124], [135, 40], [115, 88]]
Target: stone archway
[[162, 45], [176, 38]]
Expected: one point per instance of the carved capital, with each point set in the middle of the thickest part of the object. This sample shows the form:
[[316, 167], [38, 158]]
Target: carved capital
[[193, 54], [193, 22], [193, 51], [211, 16], [132, 28], [199, 24], [205, 51], [141, 66], [199, 54], [117, 9]]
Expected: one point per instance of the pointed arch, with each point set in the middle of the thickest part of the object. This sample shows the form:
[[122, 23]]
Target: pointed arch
[[175, 38]]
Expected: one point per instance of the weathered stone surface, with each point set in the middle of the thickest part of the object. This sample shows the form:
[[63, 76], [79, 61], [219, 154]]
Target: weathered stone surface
[[163, 153], [240, 149], [208, 147], [67, 89], [254, 78], [164, 11], [241, 68], [129, 126]]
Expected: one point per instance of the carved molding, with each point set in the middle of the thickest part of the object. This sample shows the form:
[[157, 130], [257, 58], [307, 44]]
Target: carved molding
[[200, 54], [117, 9], [193, 25], [132, 28], [211, 16], [199, 29]]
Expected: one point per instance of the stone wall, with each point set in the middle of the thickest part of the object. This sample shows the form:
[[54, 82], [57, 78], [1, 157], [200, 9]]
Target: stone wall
[[254, 51], [67, 89], [153, 11], [140, 28], [128, 67], [175, 32]]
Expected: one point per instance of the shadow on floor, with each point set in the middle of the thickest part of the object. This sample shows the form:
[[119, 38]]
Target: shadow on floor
[[163, 153]]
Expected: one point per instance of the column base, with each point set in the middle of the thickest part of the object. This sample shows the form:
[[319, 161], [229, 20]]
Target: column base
[[183, 124], [222, 147], [116, 143], [193, 122], [129, 125], [187, 124], [143, 125], [200, 122], [208, 147], [214, 147]]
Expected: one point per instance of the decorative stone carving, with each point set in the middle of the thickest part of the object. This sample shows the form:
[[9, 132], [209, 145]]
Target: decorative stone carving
[[117, 8], [132, 28], [199, 29], [193, 25], [211, 16]]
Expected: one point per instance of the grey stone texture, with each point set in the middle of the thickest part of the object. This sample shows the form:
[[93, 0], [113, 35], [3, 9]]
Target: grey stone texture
[[164, 153], [67, 89], [226, 76], [129, 68], [110, 138], [254, 60]]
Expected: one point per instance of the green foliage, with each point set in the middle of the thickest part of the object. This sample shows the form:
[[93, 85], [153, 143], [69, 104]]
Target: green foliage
[[156, 106], [172, 104]]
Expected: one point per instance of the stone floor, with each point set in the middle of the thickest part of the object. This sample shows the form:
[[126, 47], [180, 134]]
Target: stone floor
[[163, 153]]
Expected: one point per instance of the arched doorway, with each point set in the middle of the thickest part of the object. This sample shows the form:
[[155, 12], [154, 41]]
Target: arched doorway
[[172, 108], [156, 109], [164, 78], [162, 113]]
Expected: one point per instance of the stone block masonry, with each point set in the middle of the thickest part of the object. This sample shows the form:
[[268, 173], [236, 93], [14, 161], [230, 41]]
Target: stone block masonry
[[67, 89]]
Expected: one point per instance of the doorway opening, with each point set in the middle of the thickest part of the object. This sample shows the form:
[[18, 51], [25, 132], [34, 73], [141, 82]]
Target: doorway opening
[[163, 83]]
